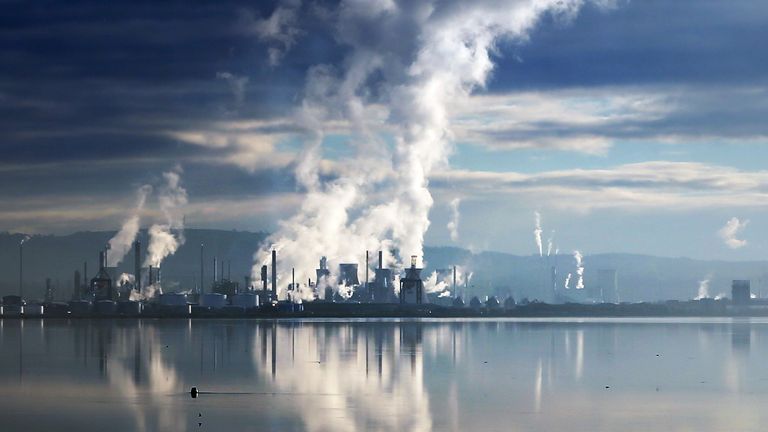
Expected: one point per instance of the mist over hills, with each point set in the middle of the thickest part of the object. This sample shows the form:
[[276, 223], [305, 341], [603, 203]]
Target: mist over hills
[[640, 277]]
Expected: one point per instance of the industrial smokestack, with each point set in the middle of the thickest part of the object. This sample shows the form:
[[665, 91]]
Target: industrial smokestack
[[202, 268], [222, 274], [149, 278], [454, 280], [21, 269], [381, 260], [137, 265], [366, 269], [274, 272], [101, 260], [264, 278], [215, 269]]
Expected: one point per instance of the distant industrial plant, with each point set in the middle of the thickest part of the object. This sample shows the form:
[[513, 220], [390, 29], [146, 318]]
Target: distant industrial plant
[[340, 291]]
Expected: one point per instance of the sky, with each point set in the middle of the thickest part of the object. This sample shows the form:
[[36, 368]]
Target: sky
[[629, 126]]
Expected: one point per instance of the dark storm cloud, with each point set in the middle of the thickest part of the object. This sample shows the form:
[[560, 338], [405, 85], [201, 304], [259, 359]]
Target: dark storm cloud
[[642, 42], [103, 80]]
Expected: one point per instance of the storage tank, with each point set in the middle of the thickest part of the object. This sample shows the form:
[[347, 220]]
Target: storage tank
[[213, 300], [105, 307], [173, 299], [79, 307], [130, 308], [33, 310], [247, 300]]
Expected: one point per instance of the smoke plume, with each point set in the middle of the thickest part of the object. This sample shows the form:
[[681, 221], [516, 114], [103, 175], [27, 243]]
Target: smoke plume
[[406, 64], [167, 237], [120, 244], [537, 232], [443, 282], [551, 243], [703, 291], [24, 239], [732, 228], [579, 269], [453, 225]]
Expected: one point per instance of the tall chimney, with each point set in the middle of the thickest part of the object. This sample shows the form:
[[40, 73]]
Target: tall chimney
[[21, 269], [101, 260], [264, 278], [454, 280], [150, 275], [274, 273], [366, 269], [202, 269], [137, 265], [215, 269], [381, 260], [222, 274]]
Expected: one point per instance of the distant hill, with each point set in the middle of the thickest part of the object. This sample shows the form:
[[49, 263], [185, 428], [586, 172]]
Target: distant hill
[[639, 277]]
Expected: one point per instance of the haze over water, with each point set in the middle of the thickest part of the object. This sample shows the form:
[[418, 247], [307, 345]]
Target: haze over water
[[532, 375]]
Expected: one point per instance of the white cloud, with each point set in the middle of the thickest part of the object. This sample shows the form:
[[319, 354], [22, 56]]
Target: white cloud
[[733, 228], [669, 186], [279, 31], [453, 224], [247, 144], [592, 120]]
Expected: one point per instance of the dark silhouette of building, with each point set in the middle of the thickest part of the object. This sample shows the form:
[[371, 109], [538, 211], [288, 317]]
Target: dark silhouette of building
[[382, 283], [101, 285], [740, 292], [348, 275], [411, 286]]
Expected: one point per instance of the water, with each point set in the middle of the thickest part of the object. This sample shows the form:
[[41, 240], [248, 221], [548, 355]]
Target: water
[[336, 375]]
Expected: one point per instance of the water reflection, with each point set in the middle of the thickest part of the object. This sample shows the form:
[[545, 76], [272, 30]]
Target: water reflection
[[383, 375]]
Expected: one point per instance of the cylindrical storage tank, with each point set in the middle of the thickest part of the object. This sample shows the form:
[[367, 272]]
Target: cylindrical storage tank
[[130, 308], [173, 299], [106, 307], [79, 307], [213, 300], [247, 300], [32, 310]]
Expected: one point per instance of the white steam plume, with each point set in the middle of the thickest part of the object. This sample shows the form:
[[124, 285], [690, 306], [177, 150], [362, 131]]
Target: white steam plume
[[24, 239], [703, 291], [579, 269], [732, 228], [443, 283], [165, 238], [453, 224], [567, 284], [407, 64], [537, 232], [121, 243], [551, 243]]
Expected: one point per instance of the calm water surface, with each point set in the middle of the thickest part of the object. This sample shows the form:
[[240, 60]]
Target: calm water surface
[[504, 375]]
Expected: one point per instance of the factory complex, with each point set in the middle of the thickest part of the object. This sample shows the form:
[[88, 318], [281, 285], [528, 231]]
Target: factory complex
[[343, 291]]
